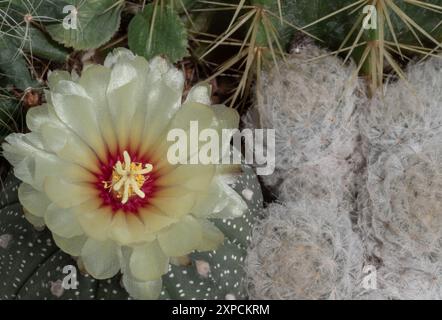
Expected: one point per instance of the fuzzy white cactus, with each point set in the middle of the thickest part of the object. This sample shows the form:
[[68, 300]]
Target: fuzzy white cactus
[[408, 111], [311, 106], [304, 250], [330, 180], [334, 147], [400, 214], [405, 187], [405, 278], [404, 180]]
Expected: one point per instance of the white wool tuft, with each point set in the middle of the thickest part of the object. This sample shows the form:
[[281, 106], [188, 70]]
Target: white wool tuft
[[304, 250], [361, 183], [311, 106], [408, 112], [400, 215]]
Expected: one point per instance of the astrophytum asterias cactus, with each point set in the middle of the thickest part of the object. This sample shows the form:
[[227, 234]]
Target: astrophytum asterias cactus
[[95, 171]]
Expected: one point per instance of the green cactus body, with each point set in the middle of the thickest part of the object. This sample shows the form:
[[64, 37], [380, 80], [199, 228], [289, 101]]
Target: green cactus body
[[332, 31]]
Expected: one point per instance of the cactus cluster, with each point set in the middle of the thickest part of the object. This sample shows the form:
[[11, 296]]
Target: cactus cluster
[[231, 42], [379, 35], [312, 106], [304, 250], [400, 216], [358, 163], [382, 183]]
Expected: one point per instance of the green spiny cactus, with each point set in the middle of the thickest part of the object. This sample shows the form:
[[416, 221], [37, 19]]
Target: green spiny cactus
[[96, 23], [13, 68], [9, 108], [31, 265], [402, 29], [158, 30], [264, 39]]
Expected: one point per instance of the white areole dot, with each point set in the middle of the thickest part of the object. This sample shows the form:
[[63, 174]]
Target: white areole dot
[[247, 194], [203, 268], [4, 240]]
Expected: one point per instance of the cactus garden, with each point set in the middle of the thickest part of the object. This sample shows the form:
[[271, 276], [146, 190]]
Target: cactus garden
[[221, 150]]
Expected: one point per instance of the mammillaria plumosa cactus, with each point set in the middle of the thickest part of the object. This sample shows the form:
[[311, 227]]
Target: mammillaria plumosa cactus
[[95, 172], [403, 132], [304, 250], [408, 111], [400, 216], [405, 189], [312, 105]]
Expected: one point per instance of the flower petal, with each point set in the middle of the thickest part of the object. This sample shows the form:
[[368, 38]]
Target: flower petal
[[128, 91], [62, 222], [95, 80], [119, 230], [220, 201], [174, 202], [200, 94], [117, 55], [162, 103], [155, 221], [37, 116], [161, 84], [34, 201], [32, 164], [54, 77], [148, 262], [191, 118], [94, 220], [212, 236], [68, 146], [236, 206], [147, 290], [195, 177], [181, 238], [193, 111], [127, 229], [228, 117], [65, 194], [100, 258], [79, 112], [37, 222], [137, 228], [71, 246]]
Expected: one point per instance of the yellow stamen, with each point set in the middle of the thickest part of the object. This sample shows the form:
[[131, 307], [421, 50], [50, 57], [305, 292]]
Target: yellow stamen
[[128, 178]]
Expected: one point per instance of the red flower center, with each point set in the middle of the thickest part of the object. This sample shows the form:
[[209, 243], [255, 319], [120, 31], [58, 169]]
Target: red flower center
[[126, 182]]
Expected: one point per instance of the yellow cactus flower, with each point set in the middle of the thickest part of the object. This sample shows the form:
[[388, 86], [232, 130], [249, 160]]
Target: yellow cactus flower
[[95, 171]]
